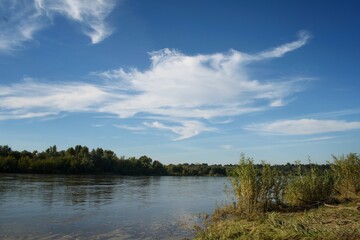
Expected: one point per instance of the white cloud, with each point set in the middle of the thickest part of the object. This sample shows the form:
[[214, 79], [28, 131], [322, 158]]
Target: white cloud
[[317, 139], [130, 128], [32, 99], [200, 86], [188, 92], [283, 49], [24, 115], [186, 130], [277, 103], [22, 19], [334, 114], [223, 121], [303, 126], [90, 14]]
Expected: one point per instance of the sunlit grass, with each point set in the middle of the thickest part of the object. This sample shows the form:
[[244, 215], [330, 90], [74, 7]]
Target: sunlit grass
[[273, 205], [310, 187], [342, 222], [257, 190], [347, 173]]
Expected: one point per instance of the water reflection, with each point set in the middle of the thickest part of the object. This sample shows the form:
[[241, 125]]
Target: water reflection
[[88, 191], [104, 207]]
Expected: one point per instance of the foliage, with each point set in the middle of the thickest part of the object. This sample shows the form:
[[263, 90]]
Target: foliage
[[311, 187], [256, 189], [289, 202], [246, 185], [347, 173], [82, 160]]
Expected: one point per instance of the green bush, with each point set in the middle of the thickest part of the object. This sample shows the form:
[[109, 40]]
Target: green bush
[[347, 173], [310, 187], [246, 185], [257, 190]]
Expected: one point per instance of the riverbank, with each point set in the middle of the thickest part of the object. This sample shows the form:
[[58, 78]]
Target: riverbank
[[341, 221], [307, 204]]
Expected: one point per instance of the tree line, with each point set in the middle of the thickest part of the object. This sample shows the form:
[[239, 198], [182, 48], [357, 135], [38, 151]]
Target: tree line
[[82, 160]]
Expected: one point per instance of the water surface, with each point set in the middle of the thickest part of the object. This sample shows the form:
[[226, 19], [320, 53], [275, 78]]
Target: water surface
[[105, 207]]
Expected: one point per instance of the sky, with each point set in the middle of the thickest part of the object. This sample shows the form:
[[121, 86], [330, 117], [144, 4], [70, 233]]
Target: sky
[[182, 81]]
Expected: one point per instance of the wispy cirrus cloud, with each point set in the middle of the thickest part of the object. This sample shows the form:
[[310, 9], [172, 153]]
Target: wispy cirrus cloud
[[130, 128], [276, 52], [185, 130], [333, 114], [33, 99], [22, 19], [311, 140], [90, 14], [183, 94], [303, 126]]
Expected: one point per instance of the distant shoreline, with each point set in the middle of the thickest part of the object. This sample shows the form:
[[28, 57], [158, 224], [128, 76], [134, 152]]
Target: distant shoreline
[[80, 160]]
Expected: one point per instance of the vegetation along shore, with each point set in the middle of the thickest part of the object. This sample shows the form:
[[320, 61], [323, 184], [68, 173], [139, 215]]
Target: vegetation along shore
[[310, 203]]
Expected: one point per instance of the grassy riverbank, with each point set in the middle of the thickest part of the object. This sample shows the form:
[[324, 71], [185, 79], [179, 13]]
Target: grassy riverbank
[[310, 204], [336, 222]]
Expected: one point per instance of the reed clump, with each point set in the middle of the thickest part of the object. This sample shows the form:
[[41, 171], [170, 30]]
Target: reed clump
[[311, 187], [346, 170], [257, 189]]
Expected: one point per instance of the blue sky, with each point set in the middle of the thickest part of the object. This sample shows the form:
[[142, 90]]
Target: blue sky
[[182, 81]]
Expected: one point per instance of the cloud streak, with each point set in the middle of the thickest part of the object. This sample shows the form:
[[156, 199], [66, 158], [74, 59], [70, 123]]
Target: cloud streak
[[283, 49], [90, 15], [186, 130], [303, 127], [34, 99], [310, 140], [130, 128], [183, 94], [22, 19]]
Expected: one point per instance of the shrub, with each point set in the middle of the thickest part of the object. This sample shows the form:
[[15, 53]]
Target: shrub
[[347, 173], [246, 186], [310, 187], [256, 189]]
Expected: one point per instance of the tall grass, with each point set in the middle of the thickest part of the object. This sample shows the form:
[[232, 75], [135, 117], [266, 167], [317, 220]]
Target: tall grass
[[256, 189], [347, 173], [261, 189], [246, 185], [309, 187]]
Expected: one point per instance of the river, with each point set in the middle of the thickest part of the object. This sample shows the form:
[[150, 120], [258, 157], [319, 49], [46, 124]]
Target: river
[[105, 207]]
